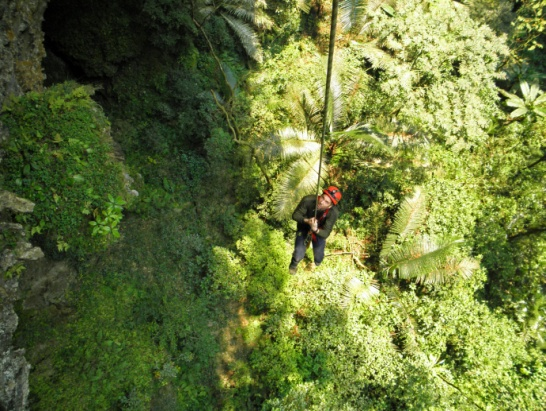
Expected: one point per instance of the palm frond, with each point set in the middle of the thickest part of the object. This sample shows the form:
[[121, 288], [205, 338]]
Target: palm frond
[[335, 107], [534, 91], [246, 35], [205, 11], [541, 99], [311, 108], [262, 20], [524, 86], [451, 267], [304, 5], [408, 218], [287, 143], [354, 288], [364, 136], [508, 95], [519, 112], [423, 259], [351, 13], [378, 58], [231, 77], [539, 111], [244, 13], [465, 267], [300, 180], [294, 143]]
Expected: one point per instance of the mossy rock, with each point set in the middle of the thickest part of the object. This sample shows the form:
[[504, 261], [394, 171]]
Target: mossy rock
[[60, 156]]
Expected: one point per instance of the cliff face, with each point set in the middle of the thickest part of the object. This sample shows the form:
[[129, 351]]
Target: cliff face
[[21, 46], [16, 250], [21, 54]]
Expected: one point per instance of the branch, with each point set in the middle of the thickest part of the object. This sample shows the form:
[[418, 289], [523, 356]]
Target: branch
[[531, 231], [461, 391], [233, 127], [534, 163], [235, 131], [226, 81], [543, 158]]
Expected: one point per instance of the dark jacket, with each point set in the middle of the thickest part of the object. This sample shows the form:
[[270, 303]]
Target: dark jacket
[[306, 209]]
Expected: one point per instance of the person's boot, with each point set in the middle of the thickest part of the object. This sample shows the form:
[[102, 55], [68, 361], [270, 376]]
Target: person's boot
[[293, 269]]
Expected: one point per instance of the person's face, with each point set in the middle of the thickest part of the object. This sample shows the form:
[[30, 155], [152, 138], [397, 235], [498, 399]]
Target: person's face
[[324, 202]]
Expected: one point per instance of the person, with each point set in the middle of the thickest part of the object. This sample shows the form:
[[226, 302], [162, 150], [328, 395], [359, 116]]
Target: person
[[317, 228]]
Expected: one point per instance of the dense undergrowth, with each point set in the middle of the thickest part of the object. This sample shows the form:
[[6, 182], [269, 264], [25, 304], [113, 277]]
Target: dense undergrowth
[[192, 307]]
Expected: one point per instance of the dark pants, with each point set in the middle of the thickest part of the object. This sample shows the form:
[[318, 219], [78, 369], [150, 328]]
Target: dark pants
[[299, 250]]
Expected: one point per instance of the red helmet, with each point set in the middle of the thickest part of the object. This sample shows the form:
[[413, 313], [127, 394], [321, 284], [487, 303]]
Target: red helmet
[[333, 193]]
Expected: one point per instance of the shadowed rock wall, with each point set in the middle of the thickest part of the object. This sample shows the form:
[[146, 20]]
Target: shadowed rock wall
[[21, 54]]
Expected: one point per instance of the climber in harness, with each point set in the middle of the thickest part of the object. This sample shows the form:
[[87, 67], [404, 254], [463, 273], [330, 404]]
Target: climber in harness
[[315, 218]]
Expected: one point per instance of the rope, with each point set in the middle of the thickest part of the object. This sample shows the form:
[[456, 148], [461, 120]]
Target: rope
[[331, 47]]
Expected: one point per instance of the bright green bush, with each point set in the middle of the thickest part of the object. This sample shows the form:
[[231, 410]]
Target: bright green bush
[[266, 259], [227, 273], [59, 155]]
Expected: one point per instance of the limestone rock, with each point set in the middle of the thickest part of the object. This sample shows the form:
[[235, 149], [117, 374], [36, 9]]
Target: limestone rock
[[14, 371], [12, 202], [21, 54], [21, 46], [45, 284]]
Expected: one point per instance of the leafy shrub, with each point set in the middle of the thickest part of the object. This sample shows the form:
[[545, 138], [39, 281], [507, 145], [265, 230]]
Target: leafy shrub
[[60, 156], [110, 362], [266, 257], [228, 275]]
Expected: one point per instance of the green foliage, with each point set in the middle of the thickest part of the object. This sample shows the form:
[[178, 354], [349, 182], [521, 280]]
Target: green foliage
[[106, 359], [266, 256], [169, 299], [432, 351], [60, 156], [530, 104], [15, 271], [139, 333], [229, 276], [435, 68], [510, 226], [296, 68], [529, 26], [409, 254], [106, 224], [170, 21]]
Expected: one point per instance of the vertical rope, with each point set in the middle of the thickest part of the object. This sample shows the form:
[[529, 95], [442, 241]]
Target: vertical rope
[[331, 47]]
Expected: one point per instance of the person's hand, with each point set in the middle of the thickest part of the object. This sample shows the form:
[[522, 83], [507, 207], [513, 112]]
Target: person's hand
[[314, 224]]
